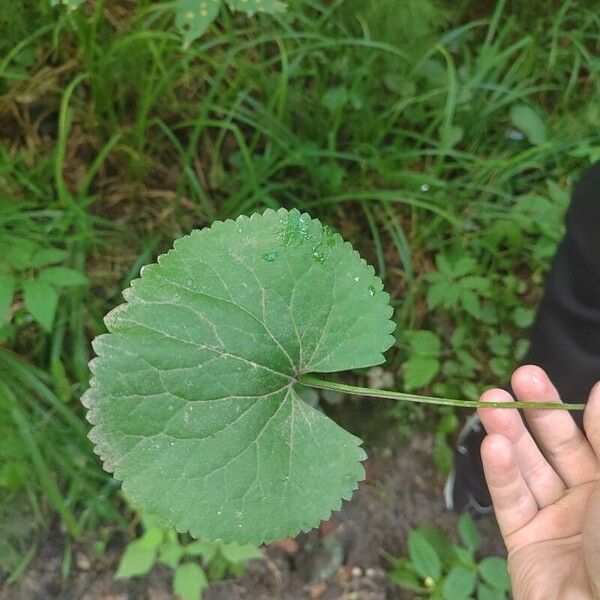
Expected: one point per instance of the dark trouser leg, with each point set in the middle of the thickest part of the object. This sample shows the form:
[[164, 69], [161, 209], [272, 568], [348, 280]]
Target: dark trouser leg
[[565, 338]]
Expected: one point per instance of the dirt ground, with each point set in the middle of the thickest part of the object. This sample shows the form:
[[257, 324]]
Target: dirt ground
[[342, 560]]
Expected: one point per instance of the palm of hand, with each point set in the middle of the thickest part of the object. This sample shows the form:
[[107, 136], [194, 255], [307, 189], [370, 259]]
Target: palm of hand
[[552, 565], [546, 495]]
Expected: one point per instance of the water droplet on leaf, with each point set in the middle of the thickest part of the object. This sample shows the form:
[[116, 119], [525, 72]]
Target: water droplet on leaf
[[271, 256]]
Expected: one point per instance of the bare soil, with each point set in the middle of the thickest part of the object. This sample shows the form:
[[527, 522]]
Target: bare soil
[[341, 560]]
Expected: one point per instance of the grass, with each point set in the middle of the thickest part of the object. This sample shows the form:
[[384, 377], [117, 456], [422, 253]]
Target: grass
[[391, 122]]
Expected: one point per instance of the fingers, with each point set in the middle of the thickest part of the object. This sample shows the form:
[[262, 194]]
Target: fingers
[[513, 501], [591, 419], [545, 485], [591, 534], [559, 438]]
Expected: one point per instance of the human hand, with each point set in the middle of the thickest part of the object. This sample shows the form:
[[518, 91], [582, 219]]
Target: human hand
[[546, 496]]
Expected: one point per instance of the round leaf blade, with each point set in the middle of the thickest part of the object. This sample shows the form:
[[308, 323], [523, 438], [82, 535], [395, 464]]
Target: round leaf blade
[[194, 396]]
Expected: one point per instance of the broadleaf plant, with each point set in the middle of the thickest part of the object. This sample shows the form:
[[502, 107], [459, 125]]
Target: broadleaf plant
[[195, 564], [37, 273], [194, 398], [439, 569], [195, 391]]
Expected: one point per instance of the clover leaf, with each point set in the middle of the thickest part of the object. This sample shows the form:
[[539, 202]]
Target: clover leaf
[[194, 398]]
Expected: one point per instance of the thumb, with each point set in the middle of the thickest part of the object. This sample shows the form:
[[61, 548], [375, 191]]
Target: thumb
[[591, 539]]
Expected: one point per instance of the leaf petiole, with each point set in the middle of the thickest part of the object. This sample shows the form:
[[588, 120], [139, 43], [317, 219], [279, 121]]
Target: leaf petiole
[[323, 384]]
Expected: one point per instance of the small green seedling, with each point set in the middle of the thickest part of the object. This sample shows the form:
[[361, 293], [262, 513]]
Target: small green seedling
[[195, 395], [195, 564], [438, 569], [37, 272]]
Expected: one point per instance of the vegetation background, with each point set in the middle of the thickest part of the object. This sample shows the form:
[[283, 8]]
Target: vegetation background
[[441, 138]]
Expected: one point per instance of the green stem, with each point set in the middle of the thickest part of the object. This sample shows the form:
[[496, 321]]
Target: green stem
[[375, 393]]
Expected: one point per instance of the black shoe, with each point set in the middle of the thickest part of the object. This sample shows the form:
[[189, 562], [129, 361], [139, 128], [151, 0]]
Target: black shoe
[[466, 490]]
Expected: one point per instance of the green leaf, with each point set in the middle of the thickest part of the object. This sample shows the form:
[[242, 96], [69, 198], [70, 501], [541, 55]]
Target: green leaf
[[523, 317], [459, 584], [20, 254], [448, 424], [194, 396], [217, 568], [560, 196], [470, 302], [49, 256], [335, 98], [151, 522], [171, 553], [463, 266], [7, 292], [41, 300], [152, 538], [60, 381], [63, 277], [419, 371], [406, 579], [240, 553], [468, 532], [188, 581], [424, 343], [464, 557], [442, 454], [193, 17], [500, 344], [475, 282], [493, 570], [437, 294], [207, 550], [528, 121], [252, 6], [500, 366], [138, 559], [440, 542], [423, 556]]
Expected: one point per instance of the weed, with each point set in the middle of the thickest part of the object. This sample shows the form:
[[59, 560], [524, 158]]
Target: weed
[[195, 563], [440, 569]]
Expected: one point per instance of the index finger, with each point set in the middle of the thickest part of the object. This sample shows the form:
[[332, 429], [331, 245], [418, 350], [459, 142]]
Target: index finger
[[514, 503]]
